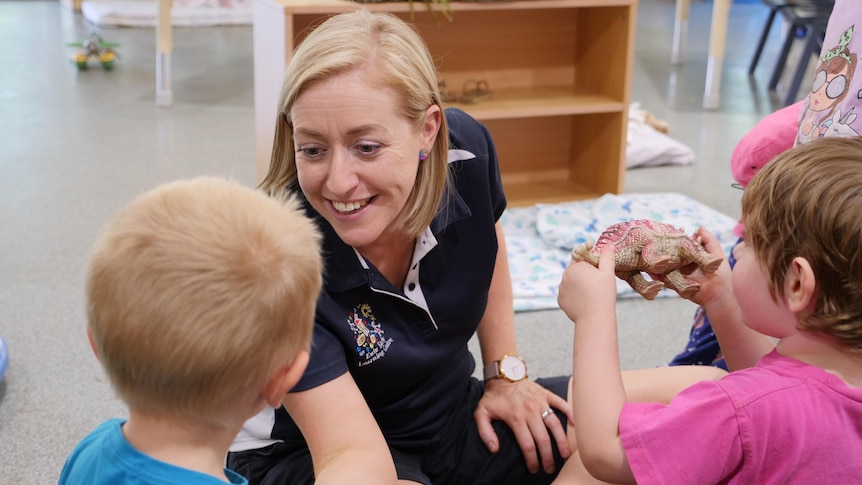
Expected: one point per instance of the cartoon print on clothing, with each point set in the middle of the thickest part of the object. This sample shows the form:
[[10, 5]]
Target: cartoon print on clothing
[[370, 342], [830, 106], [840, 125]]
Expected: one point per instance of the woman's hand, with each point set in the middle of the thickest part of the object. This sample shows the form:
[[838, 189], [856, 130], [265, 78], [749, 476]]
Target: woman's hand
[[520, 405]]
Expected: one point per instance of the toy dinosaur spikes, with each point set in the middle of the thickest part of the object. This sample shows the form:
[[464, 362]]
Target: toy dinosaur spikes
[[646, 246]]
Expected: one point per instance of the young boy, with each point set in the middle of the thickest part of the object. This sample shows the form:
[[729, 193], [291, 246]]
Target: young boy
[[200, 302], [792, 414]]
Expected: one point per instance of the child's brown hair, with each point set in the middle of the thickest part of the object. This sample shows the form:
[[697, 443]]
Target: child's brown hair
[[807, 203]]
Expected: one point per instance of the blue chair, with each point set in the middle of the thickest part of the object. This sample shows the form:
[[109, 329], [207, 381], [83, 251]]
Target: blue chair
[[808, 16], [813, 18], [775, 6]]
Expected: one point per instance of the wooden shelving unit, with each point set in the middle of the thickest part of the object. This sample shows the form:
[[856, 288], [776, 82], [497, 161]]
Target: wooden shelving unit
[[559, 70]]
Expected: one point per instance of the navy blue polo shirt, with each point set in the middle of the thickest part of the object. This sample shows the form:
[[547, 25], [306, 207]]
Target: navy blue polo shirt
[[406, 348]]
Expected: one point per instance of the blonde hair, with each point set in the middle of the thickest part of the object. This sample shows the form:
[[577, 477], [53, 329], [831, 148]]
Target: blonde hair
[[402, 61], [808, 202], [198, 292]]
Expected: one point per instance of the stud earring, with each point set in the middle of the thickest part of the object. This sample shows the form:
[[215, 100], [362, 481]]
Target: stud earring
[[423, 154]]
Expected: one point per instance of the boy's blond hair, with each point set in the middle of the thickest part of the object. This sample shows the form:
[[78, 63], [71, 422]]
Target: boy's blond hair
[[198, 292], [401, 61], [808, 202]]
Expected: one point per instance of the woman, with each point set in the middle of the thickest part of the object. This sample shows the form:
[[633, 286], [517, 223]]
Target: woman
[[408, 198]]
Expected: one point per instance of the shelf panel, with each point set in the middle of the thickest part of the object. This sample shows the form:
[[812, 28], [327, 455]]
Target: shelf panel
[[539, 101], [336, 6], [520, 194], [559, 72]]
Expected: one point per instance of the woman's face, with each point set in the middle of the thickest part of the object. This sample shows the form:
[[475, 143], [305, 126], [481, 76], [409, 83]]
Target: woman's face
[[356, 156]]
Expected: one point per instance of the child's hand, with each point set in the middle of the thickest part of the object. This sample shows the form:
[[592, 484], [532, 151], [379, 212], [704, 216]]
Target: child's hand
[[587, 290], [716, 285]]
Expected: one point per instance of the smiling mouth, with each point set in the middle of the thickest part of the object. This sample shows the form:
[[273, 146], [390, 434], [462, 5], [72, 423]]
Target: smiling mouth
[[348, 207]]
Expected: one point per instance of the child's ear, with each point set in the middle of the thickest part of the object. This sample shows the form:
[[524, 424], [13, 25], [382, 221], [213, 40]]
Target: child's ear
[[285, 379], [800, 286], [92, 341]]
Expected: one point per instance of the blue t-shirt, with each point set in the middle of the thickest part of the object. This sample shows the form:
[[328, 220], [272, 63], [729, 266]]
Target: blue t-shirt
[[106, 457]]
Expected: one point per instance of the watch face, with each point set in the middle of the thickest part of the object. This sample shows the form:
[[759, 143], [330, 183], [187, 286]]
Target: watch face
[[513, 368]]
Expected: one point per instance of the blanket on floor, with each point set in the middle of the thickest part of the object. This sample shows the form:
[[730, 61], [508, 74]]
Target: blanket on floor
[[540, 239]]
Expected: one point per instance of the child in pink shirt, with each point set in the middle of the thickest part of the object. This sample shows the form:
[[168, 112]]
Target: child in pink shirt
[[830, 108], [789, 317]]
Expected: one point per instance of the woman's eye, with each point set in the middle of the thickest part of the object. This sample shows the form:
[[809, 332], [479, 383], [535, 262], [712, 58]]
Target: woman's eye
[[367, 148], [309, 151]]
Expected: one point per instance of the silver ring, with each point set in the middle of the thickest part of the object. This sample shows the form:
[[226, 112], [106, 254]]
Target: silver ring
[[547, 413]]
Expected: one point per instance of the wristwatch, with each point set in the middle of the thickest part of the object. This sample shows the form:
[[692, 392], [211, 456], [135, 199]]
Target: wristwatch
[[510, 367]]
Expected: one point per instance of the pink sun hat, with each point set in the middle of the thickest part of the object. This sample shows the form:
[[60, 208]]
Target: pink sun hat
[[772, 135]]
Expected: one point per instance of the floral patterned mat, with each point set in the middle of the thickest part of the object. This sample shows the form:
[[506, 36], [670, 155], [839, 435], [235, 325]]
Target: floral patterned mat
[[540, 238]]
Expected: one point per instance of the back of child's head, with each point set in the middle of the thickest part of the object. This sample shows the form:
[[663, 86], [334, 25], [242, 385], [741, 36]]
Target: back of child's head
[[197, 293], [807, 202]]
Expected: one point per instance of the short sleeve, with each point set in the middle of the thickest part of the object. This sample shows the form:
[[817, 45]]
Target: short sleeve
[[468, 134], [498, 197], [694, 439], [326, 360]]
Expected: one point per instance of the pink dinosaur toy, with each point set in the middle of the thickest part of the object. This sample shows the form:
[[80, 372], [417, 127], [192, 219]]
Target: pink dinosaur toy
[[643, 245]]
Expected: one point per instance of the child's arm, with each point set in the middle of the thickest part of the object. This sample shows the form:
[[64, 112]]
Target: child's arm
[[342, 434], [588, 297], [741, 346]]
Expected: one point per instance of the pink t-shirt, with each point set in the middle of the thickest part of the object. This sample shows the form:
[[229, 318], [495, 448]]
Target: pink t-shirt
[[781, 422]]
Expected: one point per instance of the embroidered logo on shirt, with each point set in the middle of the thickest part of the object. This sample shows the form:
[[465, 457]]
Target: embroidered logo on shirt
[[368, 333]]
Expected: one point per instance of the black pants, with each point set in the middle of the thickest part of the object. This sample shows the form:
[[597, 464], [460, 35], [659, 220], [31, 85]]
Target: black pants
[[455, 456]]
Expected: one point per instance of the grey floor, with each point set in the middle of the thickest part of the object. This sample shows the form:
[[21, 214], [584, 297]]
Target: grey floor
[[75, 147]]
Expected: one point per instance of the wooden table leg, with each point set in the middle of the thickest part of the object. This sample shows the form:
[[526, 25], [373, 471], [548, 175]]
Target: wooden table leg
[[717, 43], [680, 30], [164, 46]]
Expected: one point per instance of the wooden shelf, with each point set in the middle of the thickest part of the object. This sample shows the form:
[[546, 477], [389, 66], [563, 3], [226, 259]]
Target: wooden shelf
[[548, 192], [315, 7], [559, 72], [531, 102]]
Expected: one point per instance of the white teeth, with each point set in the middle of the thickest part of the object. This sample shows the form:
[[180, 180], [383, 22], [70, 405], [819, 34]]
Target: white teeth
[[349, 206]]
